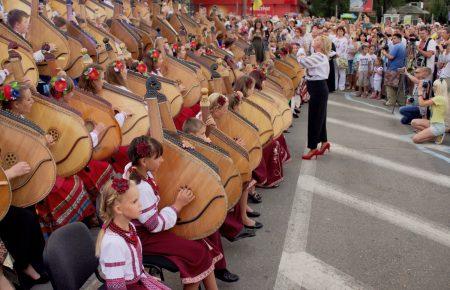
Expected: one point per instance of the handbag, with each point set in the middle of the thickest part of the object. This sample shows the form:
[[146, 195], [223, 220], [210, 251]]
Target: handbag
[[342, 63], [391, 78]]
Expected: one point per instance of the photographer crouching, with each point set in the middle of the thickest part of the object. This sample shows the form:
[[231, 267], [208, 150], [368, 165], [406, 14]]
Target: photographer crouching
[[433, 129], [412, 110]]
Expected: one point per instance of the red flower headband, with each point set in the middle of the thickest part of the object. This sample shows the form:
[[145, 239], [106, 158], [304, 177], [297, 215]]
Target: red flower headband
[[92, 74], [118, 66], [154, 54], [120, 185], [143, 149], [141, 67], [237, 96], [175, 47], [60, 87], [222, 100], [10, 92]]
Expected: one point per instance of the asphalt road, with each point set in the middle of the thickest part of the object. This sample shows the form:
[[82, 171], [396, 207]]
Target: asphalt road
[[371, 214]]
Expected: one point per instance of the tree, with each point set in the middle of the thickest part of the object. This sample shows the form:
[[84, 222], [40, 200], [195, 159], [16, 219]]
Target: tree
[[439, 9]]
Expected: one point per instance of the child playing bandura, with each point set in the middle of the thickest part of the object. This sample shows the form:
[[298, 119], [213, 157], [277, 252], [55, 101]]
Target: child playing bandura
[[118, 245]]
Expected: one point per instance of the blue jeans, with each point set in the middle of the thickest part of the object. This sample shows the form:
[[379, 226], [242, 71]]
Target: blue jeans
[[409, 112]]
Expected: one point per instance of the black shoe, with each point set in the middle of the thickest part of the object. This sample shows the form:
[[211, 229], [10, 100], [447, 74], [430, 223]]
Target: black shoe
[[297, 110], [253, 214], [27, 282], [226, 276], [286, 131], [255, 197], [257, 226], [295, 115], [244, 233]]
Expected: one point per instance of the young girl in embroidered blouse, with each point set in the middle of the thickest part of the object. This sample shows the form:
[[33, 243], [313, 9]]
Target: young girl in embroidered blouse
[[118, 246], [195, 259]]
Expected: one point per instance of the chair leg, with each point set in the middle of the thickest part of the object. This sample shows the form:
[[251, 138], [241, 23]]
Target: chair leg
[[156, 270]]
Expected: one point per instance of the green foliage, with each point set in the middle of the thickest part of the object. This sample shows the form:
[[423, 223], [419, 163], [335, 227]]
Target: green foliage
[[439, 9]]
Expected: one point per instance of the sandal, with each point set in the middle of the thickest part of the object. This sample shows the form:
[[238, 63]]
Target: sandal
[[255, 197]]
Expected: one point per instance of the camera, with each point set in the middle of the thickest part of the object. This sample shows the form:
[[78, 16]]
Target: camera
[[385, 47], [410, 100]]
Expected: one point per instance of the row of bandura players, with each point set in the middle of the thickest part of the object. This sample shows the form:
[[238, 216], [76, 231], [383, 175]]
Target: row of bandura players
[[131, 169]]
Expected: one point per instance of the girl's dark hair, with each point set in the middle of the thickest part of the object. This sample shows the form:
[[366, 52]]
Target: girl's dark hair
[[233, 101], [243, 84], [342, 28], [259, 77], [156, 150], [149, 62], [87, 84], [7, 105], [15, 16], [113, 77]]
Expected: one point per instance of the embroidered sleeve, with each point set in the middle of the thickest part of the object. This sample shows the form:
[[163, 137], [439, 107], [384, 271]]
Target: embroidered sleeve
[[120, 118], [3, 74], [311, 61], [155, 221], [38, 56], [94, 138], [112, 263]]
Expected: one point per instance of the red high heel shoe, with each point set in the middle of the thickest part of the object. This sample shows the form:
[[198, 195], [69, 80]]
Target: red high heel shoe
[[310, 154], [324, 148]]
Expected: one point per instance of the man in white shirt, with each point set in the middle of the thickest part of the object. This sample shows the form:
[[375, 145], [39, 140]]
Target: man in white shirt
[[426, 49]]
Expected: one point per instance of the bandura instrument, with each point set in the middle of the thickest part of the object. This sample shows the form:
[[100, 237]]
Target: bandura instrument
[[72, 148], [24, 141], [186, 167], [161, 24], [258, 117], [136, 83], [236, 126], [29, 67], [228, 172], [122, 30], [288, 69], [5, 194], [43, 31], [95, 110], [189, 75], [123, 100], [268, 105]]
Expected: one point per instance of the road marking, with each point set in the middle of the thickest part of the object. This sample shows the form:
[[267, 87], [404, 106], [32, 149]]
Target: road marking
[[311, 273], [364, 110], [407, 221], [297, 268], [433, 177], [402, 138], [350, 98]]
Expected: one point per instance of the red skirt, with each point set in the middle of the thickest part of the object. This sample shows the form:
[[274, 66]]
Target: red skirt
[[285, 155], [185, 114], [68, 202], [120, 159], [194, 259], [215, 240], [270, 171], [232, 225], [95, 176]]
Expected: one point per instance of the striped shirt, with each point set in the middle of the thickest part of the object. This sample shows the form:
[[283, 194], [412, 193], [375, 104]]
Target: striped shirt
[[317, 67]]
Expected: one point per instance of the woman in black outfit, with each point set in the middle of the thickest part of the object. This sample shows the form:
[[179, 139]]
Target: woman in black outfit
[[21, 233], [317, 72]]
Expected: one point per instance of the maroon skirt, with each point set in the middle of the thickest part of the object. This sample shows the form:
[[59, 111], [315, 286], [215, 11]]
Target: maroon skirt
[[194, 259], [285, 155], [270, 171], [232, 225]]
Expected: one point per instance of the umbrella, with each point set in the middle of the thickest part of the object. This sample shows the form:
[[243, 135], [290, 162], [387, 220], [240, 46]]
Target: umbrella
[[348, 16]]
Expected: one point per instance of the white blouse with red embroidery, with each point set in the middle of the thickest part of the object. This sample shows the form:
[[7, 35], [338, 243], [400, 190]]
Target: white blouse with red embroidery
[[121, 263], [150, 218]]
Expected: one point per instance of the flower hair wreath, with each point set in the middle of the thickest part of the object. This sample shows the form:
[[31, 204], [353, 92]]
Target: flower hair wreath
[[60, 86], [143, 149], [10, 92], [120, 185], [118, 66], [91, 74], [154, 54]]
